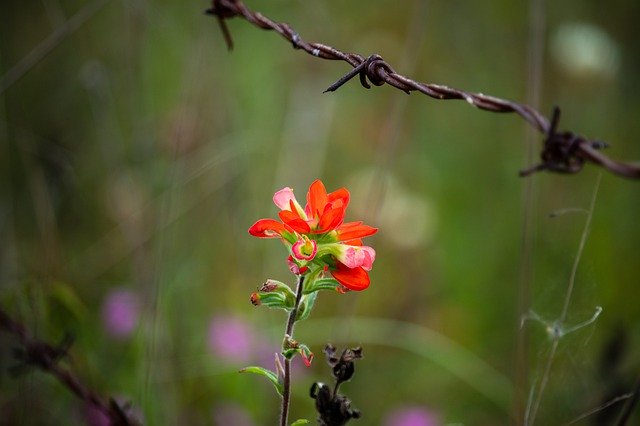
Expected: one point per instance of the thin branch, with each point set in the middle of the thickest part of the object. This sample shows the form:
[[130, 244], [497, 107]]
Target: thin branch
[[288, 334], [46, 357], [600, 408], [563, 152], [556, 336], [576, 262], [630, 405]]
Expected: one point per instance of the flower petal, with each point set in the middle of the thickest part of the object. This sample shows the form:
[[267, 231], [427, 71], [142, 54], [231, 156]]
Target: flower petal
[[355, 279], [369, 257], [353, 230], [282, 198], [330, 220], [294, 221], [267, 228], [316, 199], [339, 198], [357, 256]]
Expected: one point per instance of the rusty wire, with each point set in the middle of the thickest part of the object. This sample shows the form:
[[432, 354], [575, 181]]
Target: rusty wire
[[562, 151]]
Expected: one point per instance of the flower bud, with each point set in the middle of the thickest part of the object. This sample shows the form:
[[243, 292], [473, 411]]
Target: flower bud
[[274, 294], [255, 299], [304, 249], [292, 347], [295, 268], [272, 300]]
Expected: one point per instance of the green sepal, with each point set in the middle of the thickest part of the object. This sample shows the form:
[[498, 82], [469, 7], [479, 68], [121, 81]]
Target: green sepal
[[300, 422], [291, 347], [322, 284], [270, 375], [275, 286], [289, 353], [306, 306], [305, 352], [274, 294], [291, 238], [272, 300]]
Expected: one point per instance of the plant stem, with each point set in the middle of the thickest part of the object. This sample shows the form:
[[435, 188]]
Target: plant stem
[[530, 417], [286, 393], [42, 355], [630, 404]]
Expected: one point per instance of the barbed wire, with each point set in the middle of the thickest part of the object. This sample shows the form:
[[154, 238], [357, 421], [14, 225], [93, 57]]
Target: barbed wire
[[37, 353], [562, 151]]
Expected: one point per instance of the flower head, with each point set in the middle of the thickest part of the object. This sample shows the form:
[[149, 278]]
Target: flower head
[[120, 313], [411, 416], [230, 338], [317, 236]]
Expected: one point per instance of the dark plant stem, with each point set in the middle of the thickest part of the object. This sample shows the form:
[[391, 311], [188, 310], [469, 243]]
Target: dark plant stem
[[336, 388], [288, 333], [46, 357]]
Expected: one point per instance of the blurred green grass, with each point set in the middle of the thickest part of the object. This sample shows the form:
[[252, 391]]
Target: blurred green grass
[[138, 152]]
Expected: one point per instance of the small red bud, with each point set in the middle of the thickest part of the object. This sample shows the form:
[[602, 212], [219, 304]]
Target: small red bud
[[307, 358], [255, 299]]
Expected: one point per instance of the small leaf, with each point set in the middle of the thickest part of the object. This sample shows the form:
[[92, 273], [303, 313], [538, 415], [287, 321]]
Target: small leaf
[[305, 352], [322, 284], [300, 422], [306, 306], [279, 369], [289, 353], [273, 377]]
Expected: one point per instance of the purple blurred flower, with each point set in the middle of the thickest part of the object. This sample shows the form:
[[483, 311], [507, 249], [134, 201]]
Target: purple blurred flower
[[411, 416], [231, 339], [231, 414], [120, 313]]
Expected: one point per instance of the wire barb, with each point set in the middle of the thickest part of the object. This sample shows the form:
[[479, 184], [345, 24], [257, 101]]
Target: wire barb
[[562, 152]]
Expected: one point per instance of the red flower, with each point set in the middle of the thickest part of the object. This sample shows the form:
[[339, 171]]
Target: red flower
[[317, 235]]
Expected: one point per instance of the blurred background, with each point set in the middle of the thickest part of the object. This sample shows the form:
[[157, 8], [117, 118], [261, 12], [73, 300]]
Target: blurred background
[[136, 151]]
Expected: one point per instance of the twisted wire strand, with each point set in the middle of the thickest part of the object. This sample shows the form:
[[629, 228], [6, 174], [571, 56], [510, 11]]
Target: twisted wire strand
[[562, 152]]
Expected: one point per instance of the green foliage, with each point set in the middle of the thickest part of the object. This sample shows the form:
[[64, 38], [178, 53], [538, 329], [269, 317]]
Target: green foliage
[[270, 375]]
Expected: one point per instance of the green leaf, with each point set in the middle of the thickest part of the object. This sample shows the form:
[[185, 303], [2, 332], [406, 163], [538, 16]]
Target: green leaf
[[300, 422], [306, 306], [321, 284], [67, 298], [270, 375]]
